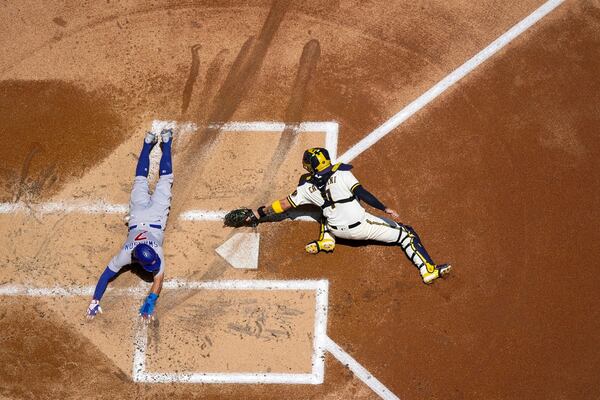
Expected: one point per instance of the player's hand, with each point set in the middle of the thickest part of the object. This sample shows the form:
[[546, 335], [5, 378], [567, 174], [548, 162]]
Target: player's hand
[[93, 309], [393, 213], [147, 309], [146, 318]]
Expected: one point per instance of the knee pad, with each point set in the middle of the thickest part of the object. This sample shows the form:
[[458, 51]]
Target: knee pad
[[325, 243]]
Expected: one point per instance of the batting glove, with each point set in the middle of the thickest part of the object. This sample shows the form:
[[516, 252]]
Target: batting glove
[[147, 309], [94, 309]]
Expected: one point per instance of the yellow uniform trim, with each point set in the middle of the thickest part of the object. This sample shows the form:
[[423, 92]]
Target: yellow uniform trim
[[276, 206], [354, 187], [322, 234], [289, 198]]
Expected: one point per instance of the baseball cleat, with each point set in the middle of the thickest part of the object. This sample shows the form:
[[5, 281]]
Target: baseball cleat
[[166, 135], [151, 138], [438, 271], [326, 245]]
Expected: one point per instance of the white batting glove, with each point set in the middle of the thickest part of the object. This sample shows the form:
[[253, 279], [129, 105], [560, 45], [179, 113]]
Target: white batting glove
[[93, 309]]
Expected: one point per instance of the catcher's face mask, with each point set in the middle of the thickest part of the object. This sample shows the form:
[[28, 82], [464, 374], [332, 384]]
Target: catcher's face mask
[[316, 160]]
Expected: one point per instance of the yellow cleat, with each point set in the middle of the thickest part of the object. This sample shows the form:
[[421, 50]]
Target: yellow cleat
[[326, 245], [433, 273]]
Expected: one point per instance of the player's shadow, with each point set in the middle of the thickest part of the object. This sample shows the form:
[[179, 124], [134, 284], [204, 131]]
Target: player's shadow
[[136, 269]]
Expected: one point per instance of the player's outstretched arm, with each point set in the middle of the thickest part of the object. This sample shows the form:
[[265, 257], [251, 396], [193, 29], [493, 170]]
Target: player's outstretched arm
[[247, 217], [147, 308], [277, 207], [363, 194], [94, 307]]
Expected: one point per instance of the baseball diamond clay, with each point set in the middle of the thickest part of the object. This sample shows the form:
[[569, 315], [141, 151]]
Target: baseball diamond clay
[[499, 174]]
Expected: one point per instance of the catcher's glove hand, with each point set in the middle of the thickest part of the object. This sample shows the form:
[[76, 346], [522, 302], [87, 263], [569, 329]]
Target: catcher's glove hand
[[240, 217]]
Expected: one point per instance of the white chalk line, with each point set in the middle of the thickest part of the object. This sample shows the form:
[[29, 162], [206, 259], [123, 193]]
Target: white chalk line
[[330, 128], [321, 288], [321, 342], [101, 207], [59, 207], [173, 284], [448, 81], [358, 370]]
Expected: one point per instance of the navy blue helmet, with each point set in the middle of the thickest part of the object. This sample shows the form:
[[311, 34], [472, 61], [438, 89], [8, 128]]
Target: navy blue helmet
[[147, 257]]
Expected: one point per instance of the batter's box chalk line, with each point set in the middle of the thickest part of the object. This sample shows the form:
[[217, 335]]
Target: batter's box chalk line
[[321, 342], [330, 129]]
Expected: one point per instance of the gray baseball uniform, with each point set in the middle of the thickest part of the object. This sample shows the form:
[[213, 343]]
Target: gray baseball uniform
[[148, 219]]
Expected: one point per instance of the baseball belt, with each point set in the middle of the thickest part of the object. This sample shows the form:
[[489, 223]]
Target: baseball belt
[[354, 225]]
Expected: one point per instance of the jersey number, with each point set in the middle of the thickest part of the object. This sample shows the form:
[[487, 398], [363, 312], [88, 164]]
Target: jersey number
[[141, 236], [328, 198]]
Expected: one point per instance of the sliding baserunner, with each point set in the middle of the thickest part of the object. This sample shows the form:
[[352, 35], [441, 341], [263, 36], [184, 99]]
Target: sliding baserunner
[[148, 216], [338, 193]]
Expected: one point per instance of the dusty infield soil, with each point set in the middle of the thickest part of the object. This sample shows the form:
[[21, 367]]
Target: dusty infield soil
[[498, 175]]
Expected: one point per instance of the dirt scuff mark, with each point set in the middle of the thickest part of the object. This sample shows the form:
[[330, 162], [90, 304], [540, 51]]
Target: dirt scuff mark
[[62, 128]]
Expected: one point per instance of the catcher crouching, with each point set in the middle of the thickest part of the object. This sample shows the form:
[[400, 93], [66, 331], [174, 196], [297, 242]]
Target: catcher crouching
[[334, 189]]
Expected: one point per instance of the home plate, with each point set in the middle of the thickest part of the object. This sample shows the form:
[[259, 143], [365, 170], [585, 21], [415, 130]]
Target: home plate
[[241, 250]]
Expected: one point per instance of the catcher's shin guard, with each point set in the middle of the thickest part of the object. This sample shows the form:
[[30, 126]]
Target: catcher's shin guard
[[325, 243], [413, 248]]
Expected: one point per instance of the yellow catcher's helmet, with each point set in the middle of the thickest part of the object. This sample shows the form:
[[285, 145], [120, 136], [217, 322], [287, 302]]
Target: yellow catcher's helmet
[[316, 160]]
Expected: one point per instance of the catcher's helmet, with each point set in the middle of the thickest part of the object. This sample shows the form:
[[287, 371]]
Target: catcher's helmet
[[147, 257], [316, 160]]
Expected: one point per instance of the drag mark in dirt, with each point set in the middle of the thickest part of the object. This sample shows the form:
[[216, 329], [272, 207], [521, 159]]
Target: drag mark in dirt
[[266, 324], [48, 237], [24, 173], [32, 187], [293, 115], [193, 76]]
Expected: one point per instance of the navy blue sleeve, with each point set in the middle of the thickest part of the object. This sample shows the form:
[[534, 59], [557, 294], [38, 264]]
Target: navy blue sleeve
[[363, 194], [106, 276]]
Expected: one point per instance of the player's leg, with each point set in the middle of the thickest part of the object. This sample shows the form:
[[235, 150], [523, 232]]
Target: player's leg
[[325, 243], [140, 193], [411, 244], [387, 231], [161, 198]]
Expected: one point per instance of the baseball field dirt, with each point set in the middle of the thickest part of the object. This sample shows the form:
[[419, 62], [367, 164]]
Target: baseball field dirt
[[498, 174]]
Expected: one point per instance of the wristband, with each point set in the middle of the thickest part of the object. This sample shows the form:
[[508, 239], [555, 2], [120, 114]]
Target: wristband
[[276, 206], [152, 297]]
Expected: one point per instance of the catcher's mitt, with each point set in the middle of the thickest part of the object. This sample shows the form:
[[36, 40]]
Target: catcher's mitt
[[240, 217]]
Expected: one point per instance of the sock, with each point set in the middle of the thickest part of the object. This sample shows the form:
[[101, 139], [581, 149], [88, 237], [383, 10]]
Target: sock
[[143, 164], [166, 165]]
